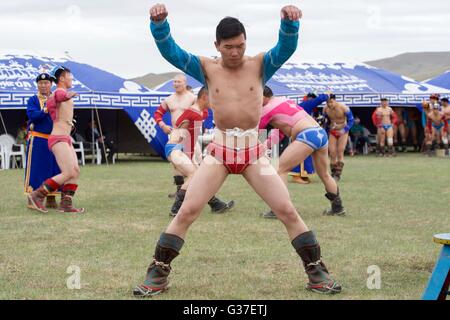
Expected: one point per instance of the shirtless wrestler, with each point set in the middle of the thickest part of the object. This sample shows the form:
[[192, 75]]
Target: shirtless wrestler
[[235, 83]]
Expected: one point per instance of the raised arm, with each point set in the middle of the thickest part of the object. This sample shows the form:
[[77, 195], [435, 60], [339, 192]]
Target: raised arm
[[171, 51], [287, 42]]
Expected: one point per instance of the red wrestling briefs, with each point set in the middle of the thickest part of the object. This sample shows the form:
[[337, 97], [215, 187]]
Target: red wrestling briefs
[[52, 140], [236, 160], [337, 133]]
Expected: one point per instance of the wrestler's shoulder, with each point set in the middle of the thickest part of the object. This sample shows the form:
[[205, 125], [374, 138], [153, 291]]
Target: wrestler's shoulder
[[59, 90], [206, 61], [192, 96], [344, 107]]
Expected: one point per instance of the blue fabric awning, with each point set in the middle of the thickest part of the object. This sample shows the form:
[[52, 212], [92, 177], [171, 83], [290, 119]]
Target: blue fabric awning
[[442, 81], [96, 87], [357, 85]]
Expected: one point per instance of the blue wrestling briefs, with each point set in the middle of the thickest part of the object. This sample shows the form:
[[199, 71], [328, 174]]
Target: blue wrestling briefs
[[316, 138], [171, 147], [386, 127], [437, 127]]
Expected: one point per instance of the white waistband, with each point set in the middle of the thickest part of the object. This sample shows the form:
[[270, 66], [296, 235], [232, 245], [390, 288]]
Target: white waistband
[[238, 132]]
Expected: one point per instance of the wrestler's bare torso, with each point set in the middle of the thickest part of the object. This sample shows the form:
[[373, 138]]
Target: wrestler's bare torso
[[177, 103], [435, 116], [236, 94], [63, 124], [399, 113], [385, 114], [446, 112], [336, 114]]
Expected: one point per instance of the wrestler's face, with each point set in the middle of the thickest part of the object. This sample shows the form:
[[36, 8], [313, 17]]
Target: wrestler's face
[[433, 101], [44, 87], [331, 103], [204, 101], [232, 50], [384, 103], [179, 83], [67, 79]]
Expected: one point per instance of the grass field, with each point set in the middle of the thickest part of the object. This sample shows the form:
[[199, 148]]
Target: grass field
[[394, 206]]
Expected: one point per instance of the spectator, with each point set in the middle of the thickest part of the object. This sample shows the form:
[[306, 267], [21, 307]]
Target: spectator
[[412, 119], [22, 134], [358, 135], [92, 133]]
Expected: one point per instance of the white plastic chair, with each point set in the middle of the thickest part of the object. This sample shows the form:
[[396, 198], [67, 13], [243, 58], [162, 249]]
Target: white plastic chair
[[99, 154], [80, 145], [11, 149]]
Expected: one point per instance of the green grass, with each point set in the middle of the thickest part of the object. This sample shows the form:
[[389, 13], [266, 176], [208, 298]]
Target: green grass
[[394, 207]]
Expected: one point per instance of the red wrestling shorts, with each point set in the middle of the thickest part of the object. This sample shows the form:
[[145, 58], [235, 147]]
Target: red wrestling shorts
[[337, 133], [236, 160], [52, 140]]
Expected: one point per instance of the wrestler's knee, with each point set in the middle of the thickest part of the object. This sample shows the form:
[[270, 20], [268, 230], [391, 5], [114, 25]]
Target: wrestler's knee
[[188, 213], [73, 172], [287, 213], [283, 169]]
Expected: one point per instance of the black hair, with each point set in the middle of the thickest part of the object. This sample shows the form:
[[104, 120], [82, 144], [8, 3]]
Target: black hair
[[58, 73], [268, 93], [228, 28], [444, 99], [311, 95], [384, 99], [202, 91], [332, 96]]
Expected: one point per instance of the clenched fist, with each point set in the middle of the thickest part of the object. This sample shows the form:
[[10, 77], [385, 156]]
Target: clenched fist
[[158, 12], [291, 13]]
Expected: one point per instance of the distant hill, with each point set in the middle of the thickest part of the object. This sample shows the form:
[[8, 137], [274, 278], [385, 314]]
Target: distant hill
[[151, 80], [417, 65]]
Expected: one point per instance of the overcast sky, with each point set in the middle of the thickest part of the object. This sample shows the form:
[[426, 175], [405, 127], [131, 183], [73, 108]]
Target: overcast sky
[[114, 34]]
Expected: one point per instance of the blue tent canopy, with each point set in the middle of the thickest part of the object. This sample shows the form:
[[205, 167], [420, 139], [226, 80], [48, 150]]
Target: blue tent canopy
[[442, 81], [357, 85], [96, 88]]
